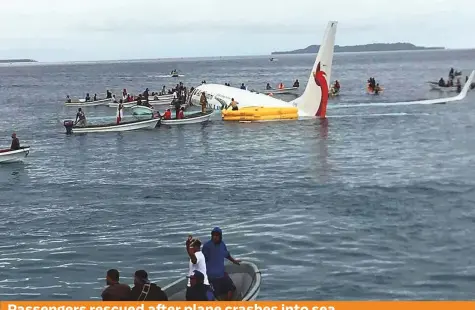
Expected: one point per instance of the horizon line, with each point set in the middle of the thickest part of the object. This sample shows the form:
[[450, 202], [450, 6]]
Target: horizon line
[[208, 57]]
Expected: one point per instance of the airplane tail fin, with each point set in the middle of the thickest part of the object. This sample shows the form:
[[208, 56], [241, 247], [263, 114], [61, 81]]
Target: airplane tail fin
[[314, 100]]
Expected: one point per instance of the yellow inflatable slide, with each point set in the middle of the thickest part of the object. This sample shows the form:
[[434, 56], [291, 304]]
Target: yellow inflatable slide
[[260, 114]]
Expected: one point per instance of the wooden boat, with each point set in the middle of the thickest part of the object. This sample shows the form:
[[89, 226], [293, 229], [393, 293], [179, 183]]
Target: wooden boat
[[246, 277], [9, 156], [189, 119], [84, 103], [112, 127]]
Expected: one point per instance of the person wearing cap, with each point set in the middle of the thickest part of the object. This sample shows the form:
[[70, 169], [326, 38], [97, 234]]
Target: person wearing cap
[[115, 291], [215, 252], [143, 290], [15, 143], [197, 262], [198, 291]]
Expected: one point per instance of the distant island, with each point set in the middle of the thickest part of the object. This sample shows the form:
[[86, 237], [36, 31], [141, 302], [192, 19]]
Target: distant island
[[3, 61], [374, 47]]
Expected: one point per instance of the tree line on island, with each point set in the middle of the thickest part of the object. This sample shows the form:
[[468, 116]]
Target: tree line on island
[[2, 61], [373, 47]]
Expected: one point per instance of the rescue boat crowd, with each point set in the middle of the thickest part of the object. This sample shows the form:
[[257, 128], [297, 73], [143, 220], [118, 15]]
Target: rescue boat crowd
[[207, 279]]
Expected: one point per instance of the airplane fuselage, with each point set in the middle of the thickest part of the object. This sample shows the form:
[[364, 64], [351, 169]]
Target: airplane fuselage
[[219, 96]]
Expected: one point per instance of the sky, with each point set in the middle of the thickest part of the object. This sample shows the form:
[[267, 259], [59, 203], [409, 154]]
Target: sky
[[85, 30]]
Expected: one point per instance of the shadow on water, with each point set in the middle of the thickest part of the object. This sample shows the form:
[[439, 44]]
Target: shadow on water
[[13, 173]]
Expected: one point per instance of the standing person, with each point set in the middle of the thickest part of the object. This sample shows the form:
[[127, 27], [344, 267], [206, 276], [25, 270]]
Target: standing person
[[215, 251], [197, 263], [80, 118], [120, 112], [115, 291], [204, 102]]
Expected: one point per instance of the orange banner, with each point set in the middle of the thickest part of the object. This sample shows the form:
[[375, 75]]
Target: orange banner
[[239, 305]]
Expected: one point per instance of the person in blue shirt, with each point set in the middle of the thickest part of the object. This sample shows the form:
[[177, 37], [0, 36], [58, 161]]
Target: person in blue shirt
[[215, 251]]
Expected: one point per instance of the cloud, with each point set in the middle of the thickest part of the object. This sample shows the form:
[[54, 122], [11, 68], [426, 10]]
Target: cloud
[[151, 29]]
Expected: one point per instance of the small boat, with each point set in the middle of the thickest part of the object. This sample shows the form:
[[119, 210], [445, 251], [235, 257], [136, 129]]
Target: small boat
[[371, 91], [189, 119], [273, 59], [333, 92], [281, 91], [112, 127], [246, 277], [84, 103], [445, 89], [9, 156]]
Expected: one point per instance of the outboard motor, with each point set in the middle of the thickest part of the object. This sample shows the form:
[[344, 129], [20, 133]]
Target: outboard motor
[[69, 126]]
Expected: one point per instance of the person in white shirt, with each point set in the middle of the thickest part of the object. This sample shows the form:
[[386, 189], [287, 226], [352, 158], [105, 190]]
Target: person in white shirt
[[197, 260]]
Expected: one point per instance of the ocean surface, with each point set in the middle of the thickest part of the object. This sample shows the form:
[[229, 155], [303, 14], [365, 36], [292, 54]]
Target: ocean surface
[[371, 203]]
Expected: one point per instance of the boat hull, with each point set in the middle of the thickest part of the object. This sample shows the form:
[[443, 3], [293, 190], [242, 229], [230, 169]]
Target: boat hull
[[450, 89], [190, 119], [134, 125], [159, 102], [246, 277], [9, 156], [88, 103], [142, 110], [371, 91], [284, 91]]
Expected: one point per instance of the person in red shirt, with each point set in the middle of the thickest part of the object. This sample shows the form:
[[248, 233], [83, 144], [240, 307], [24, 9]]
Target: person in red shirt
[[167, 114], [181, 114]]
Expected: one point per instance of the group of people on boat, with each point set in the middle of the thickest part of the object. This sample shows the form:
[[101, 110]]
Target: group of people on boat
[[282, 86], [335, 89], [207, 278], [373, 86], [86, 99], [174, 72], [450, 81]]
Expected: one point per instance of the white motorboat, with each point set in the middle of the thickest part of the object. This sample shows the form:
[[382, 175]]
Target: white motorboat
[[246, 277], [112, 127], [84, 103], [189, 119], [445, 89], [10, 156], [282, 91]]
